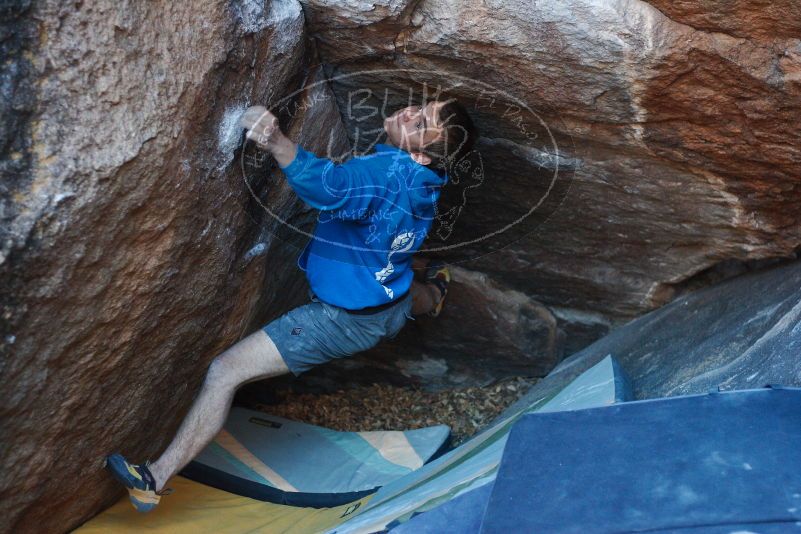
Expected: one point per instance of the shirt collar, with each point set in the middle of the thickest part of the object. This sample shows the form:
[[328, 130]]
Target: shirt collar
[[380, 147]]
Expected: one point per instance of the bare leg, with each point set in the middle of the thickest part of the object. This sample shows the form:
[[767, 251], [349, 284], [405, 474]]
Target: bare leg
[[253, 358], [425, 297]]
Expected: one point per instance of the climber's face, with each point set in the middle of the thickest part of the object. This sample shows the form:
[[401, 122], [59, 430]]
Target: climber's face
[[414, 127]]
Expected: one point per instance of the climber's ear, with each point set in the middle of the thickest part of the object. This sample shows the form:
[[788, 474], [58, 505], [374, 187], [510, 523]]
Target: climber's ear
[[420, 158]]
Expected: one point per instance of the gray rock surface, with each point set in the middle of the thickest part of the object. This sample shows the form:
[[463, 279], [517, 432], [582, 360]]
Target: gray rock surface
[[743, 333]]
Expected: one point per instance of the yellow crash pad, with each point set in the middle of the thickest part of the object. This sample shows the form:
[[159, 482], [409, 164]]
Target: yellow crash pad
[[195, 508]]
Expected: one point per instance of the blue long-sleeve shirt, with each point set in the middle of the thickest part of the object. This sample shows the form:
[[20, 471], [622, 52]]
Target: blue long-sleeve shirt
[[375, 211]]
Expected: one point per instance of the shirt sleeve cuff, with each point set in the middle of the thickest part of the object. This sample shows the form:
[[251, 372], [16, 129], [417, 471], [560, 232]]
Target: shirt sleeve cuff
[[297, 164]]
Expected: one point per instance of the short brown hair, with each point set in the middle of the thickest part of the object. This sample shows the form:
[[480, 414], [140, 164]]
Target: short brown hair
[[457, 138]]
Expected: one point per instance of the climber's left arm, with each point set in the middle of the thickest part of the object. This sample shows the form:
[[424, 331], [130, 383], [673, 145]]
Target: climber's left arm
[[263, 129], [321, 183]]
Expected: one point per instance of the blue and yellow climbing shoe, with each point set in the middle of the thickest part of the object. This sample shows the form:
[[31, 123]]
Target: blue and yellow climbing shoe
[[138, 480], [437, 273]]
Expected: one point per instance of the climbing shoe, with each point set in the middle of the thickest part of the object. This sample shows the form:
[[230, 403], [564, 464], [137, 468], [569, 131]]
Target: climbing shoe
[[138, 480], [438, 274]]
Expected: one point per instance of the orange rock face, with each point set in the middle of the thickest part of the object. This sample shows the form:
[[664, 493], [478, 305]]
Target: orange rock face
[[133, 250], [762, 19]]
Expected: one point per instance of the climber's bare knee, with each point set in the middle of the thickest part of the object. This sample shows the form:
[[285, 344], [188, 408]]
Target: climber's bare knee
[[252, 358]]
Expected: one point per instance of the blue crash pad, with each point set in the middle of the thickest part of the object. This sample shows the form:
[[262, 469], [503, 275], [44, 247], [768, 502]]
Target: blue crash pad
[[461, 514], [724, 459], [475, 462]]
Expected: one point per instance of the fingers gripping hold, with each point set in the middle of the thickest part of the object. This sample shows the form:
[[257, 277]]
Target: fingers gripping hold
[[261, 125], [252, 116]]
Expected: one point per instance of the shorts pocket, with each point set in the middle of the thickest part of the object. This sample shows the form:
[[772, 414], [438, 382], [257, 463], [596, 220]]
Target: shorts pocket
[[396, 324]]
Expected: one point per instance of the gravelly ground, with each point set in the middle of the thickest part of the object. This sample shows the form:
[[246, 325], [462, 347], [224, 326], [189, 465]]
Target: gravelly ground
[[385, 407]]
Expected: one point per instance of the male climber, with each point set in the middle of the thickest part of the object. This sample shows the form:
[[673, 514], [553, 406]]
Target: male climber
[[376, 210]]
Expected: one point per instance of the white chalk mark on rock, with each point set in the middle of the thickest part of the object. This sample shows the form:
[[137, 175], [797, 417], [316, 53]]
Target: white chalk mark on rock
[[257, 250], [229, 134]]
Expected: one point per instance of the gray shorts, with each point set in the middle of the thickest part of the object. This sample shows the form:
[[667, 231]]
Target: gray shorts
[[319, 332]]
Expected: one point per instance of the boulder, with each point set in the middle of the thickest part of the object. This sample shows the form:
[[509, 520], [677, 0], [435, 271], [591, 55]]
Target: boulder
[[134, 247], [677, 132], [740, 334], [630, 152]]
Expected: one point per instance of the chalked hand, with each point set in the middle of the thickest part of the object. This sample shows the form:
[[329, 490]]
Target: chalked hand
[[263, 129], [261, 125]]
